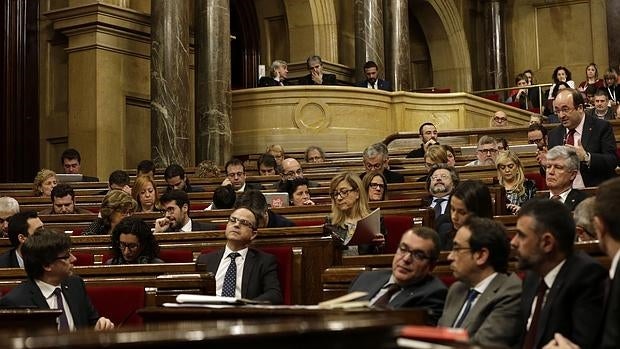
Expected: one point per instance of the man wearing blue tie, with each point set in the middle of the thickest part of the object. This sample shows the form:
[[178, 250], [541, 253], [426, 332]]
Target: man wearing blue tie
[[240, 271], [486, 299]]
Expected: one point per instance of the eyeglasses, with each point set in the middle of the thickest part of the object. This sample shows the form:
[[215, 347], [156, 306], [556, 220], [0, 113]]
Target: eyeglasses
[[235, 174], [443, 177], [377, 186], [65, 257], [130, 246], [299, 172], [503, 167], [415, 254], [371, 167], [534, 141], [241, 221], [342, 193], [499, 120], [490, 151], [563, 110], [459, 249]]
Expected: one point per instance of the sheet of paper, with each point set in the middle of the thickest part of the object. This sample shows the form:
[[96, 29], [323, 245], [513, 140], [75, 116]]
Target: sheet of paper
[[367, 229]]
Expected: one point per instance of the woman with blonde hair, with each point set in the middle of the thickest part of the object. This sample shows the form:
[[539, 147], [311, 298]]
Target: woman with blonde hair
[[44, 182], [144, 191], [277, 151], [510, 175], [349, 205], [115, 206]]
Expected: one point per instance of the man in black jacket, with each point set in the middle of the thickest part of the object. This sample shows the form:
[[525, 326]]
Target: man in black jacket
[[376, 158], [316, 76], [22, 225]]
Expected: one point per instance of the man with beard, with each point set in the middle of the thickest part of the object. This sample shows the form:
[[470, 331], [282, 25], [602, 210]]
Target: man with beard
[[563, 290], [441, 181], [487, 152], [175, 204], [428, 136], [372, 78]]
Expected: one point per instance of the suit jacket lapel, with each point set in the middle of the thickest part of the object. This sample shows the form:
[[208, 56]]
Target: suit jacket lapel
[[37, 296], [586, 133], [374, 288], [551, 296], [484, 299], [407, 293], [71, 298], [214, 263], [453, 311], [248, 266]]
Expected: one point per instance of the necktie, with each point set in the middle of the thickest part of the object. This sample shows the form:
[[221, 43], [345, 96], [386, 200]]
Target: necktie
[[384, 300], [230, 279], [437, 207], [570, 138], [530, 337], [63, 323], [471, 296]]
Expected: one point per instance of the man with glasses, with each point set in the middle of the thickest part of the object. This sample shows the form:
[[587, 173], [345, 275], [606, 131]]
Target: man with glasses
[[562, 165], [410, 283], [593, 139], [235, 176], [499, 119], [537, 134], [8, 207], [51, 284], [376, 158], [486, 298], [241, 271], [176, 206], [21, 226], [291, 169], [440, 183], [486, 153]]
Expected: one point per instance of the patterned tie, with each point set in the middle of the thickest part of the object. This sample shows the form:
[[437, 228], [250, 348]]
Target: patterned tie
[[63, 323], [471, 296], [384, 300], [437, 207], [570, 139], [530, 337], [230, 279]]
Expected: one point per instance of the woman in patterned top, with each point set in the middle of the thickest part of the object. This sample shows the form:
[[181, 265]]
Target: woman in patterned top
[[510, 174]]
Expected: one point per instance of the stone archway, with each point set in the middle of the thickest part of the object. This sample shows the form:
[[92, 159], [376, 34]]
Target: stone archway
[[316, 33]]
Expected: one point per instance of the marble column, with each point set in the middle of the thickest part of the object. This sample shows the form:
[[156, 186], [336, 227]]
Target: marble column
[[368, 35], [170, 126], [613, 27], [495, 44], [213, 94], [398, 62]]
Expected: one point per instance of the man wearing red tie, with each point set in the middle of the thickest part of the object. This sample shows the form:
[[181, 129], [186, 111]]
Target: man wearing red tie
[[592, 139]]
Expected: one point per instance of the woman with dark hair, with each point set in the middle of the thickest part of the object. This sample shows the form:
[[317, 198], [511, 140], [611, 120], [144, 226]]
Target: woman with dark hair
[[591, 79], [469, 198], [298, 193], [133, 242], [560, 74], [376, 186]]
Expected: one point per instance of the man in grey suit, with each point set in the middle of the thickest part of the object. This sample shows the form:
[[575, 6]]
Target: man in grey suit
[[561, 169], [409, 284], [486, 299]]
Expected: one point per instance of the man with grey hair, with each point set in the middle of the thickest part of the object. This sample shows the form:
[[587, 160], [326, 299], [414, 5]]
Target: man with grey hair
[[316, 76], [8, 207], [277, 75], [561, 169], [584, 215], [314, 154], [486, 153], [376, 158]]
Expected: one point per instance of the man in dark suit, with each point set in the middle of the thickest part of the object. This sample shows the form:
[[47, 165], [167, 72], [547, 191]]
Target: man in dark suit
[[248, 273], [235, 176], [175, 177], [593, 139], [316, 76], [410, 283], [563, 289], [562, 165], [376, 158], [277, 75], [428, 136], [601, 108], [255, 201], [372, 81], [440, 183], [21, 226], [51, 285], [176, 205], [71, 161], [291, 169], [486, 298], [63, 201]]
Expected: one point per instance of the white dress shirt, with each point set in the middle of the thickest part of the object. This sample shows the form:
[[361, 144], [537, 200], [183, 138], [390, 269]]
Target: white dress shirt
[[223, 267], [50, 298]]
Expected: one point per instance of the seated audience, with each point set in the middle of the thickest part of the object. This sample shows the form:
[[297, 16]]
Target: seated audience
[[63, 201], [44, 182], [316, 76], [349, 205], [241, 271], [118, 180], [552, 114], [499, 119], [21, 227], [133, 242], [611, 86], [563, 289], [450, 152], [511, 176], [376, 186], [441, 182], [51, 284], [487, 152], [291, 169], [562, 165], [410, 283], [314, 154], [584, 220], [537, 134], [255, 201], [486, 298], [277, 151], [428, 136], [115, 206], [146, 168], [470, 198], [267, 165], [278, 72], [589, 98], [298, 192], [224, 198], [8, 207], [529, 77], [175, 204], [560, 75], [601, 108], [536, 119], [371, 71], [526, 98], [235, 176], [71, 161], [591, 80], [502, 144], [176, 180], [376, 158], [145, 193], [435, 154]]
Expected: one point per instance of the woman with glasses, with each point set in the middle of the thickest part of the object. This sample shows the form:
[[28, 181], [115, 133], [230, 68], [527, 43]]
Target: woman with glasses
[[144, 191], [115, 206], [376, 186], [469, 198], [298, 192], [133, 242], [510, 175], [349, 205]]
